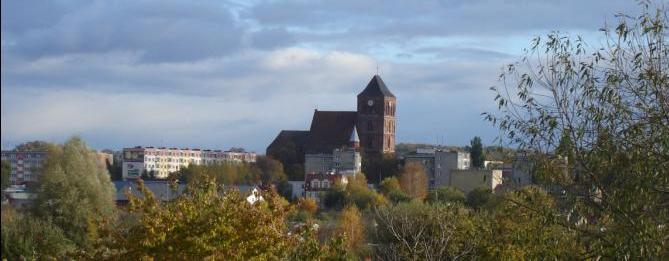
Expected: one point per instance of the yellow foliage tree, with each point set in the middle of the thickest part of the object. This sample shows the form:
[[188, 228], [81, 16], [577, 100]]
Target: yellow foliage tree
[[413, 180]]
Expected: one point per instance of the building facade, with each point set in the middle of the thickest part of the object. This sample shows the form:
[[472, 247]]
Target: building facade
[[26, 165], [163, 161], [316, 183], [346, 160], [438, 164], [468, 180]]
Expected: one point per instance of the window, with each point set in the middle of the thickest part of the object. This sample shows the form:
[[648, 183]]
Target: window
[[370, 126]]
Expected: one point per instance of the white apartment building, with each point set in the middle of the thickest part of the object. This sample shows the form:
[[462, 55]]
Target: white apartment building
[[163, 161], [26, 165]]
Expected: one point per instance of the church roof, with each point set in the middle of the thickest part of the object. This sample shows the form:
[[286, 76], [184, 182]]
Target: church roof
[[330, 130], [296, 137], [376, 87]]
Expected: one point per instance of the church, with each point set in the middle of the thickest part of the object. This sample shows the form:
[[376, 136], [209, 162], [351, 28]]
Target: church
[[374, 122]]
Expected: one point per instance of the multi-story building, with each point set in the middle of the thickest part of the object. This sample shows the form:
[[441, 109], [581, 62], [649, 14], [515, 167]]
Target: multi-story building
[[345, 160], [438, 164], [315, 183], [163, 161], [26, 165]]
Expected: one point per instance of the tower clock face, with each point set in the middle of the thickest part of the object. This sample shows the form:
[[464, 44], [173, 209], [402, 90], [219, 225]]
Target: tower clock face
[[370, 102]]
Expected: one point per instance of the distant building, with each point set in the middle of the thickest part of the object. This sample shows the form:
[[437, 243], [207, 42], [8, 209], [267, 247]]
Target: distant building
[[345, 160], [315, 183], [438, 164], [18, 196], [105, 157], [468, 180], [26, 165], [163, 161], [297, 189], [522, 168], [374, 120]]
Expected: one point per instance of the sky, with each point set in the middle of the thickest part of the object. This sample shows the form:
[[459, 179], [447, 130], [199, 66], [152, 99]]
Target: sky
[[218, 74]]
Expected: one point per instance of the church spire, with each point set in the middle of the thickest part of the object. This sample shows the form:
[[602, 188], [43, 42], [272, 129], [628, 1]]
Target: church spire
[[354, 140]]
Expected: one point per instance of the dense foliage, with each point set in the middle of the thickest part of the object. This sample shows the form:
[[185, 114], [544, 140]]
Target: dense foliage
[[596, 124]]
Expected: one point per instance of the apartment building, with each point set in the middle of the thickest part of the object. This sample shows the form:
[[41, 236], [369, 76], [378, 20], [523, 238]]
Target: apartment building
[[163, 161], [26, 165]]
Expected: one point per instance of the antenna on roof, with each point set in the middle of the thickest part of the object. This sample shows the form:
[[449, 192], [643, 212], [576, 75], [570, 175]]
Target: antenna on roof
[[377, 68]]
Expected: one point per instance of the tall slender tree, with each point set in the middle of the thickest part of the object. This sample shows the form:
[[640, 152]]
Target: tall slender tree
[[476, 152]]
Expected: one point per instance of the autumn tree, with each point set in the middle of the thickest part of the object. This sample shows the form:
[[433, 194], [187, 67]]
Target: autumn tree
[[350, 223], [308, 204], [413, 180], [213, 223], [418, 231], [391, 189], [612, 103], [74, 192]]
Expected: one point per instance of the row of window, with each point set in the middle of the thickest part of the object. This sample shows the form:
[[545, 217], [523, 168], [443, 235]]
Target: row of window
[[316, 184]]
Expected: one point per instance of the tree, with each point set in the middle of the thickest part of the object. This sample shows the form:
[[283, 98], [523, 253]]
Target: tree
[[612, 102], [210, 222], [271, 171], [308, 204], [6, 172], [519, 229], [74, 191], [389, 185], [476, 152], [413, 180], [417, 231], [351, 225], [479, 197], [445, 194], [27, 237]]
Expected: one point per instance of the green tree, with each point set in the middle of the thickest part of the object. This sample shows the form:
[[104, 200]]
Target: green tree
[[476, 152], [445, 194], [6, 172], [479, 197], [413, 180], [271, 171], [27, 237], [527, 225], [74, 191], [389, 185], [612, 101]]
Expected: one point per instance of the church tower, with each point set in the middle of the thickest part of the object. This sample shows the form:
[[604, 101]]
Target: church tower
[[376, 117]]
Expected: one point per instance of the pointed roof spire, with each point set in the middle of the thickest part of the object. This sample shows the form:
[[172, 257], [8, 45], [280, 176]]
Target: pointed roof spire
[[376, 87], [354, 135]]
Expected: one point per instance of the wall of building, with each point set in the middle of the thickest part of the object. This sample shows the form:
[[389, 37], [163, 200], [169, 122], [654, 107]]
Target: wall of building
[[438, 164], [468, 180], [341, 161], [26, 165]]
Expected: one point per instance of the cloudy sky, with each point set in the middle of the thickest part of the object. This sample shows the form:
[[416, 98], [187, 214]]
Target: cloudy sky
[[216, 74]]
